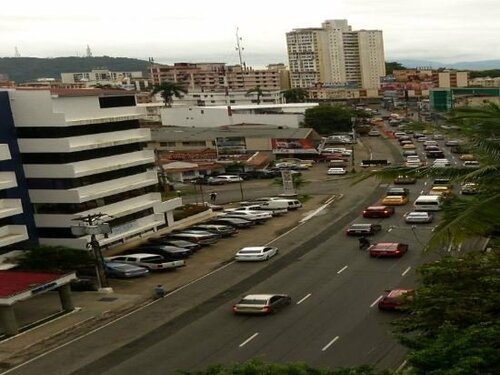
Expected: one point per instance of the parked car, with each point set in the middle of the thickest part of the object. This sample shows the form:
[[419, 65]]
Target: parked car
[[152, 262], [203, 239], [395, 299], [336, 171], [378, 211], [275, 211], [166, 251], [259, 216], [363, 229], [262, 303], [256, 253], [221, 229], [124, 270], [395, 200], [237, 222], [173, 242], [417, 217], [388, 249]]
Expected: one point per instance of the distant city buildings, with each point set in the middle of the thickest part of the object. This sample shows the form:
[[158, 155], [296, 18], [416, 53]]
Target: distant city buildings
[[335, 56], [219, 77], [105, 77]]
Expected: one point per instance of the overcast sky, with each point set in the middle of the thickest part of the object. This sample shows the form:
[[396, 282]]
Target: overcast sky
[[201, 30]]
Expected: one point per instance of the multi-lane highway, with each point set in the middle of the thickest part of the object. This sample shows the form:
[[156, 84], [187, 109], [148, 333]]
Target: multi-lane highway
[[333, 320]]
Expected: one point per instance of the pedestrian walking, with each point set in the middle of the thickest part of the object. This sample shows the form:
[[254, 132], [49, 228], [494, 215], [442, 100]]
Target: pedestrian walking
[[213, 196], [159, 291]]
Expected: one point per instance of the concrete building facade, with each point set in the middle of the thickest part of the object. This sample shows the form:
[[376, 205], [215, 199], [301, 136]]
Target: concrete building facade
[[133, 80], [335, 55], [209, 77], [82, 152]]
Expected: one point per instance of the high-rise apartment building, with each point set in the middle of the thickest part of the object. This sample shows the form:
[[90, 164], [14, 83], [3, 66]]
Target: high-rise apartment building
[[335, 56]]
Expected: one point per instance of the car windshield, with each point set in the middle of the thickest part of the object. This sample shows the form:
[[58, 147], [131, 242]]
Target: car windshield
[[360, 225], [249, 251]]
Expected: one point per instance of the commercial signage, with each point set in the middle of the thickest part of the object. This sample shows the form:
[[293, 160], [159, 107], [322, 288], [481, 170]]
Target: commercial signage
[[231, 145], [292, 146]]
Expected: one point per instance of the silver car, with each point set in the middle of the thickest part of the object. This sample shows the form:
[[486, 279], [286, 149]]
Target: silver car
[[416, 217]]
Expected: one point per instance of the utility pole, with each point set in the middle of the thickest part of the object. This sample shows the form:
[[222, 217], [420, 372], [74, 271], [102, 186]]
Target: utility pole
[[94, 224]]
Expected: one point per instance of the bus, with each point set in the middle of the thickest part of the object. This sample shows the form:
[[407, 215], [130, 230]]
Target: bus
[[428, 203]]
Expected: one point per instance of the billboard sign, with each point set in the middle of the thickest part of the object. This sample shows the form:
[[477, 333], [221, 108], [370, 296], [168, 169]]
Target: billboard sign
[[292, 146], [231, 145]]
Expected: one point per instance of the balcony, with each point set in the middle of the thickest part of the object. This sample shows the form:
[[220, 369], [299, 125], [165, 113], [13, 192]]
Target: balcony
[[11, 234], [116, 210], [7, 180], [119, 233], [4, 152], [89, 167], [10, 207], [86, 142], [94, 191]]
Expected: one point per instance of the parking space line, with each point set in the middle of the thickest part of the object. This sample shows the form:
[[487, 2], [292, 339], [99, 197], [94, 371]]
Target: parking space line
[[303, 299], [406, 271], [342, 269], [249, 339], [376, 301], [329, 344]]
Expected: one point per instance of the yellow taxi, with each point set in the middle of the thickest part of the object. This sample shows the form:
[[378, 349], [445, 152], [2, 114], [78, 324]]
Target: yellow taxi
[[409, 146], [467, 157], [395, 200], [444, 191]]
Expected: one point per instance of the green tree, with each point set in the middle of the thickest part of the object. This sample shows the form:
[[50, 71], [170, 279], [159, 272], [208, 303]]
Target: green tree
[[55, 258], [452, 325], [168, 90], [256, 90], [392, 66], [327, 119], [296, 95], [257, 367]]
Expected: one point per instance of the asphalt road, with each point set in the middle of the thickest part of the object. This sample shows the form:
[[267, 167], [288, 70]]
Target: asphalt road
[[332, 322]]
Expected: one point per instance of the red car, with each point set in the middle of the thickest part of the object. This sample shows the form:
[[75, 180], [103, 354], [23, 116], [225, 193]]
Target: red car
[[395, 298], [388, 249], [378, 211]]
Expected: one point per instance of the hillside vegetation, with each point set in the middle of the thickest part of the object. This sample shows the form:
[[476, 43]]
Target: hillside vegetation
[[24, 69]]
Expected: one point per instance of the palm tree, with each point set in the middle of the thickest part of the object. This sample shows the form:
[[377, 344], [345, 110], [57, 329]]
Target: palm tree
[[168, 90], [297, 95], [477, 216], [257, 90]]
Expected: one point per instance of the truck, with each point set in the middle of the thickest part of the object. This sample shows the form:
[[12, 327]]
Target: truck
[[152, 262]]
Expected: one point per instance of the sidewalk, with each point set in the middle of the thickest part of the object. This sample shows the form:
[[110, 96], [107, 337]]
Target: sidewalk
[[95, 309]]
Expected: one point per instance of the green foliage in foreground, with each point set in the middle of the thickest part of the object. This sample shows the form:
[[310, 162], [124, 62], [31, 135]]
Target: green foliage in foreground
[[256, 367], [54, 259]]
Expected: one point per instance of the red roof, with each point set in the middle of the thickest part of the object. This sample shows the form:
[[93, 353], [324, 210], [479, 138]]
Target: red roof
[[15, 282]]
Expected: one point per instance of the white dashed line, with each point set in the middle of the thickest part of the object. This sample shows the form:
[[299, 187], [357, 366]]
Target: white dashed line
[[406, 271], [376, 301], [329, 344], [341, 270], [249, 339], [303, 299]]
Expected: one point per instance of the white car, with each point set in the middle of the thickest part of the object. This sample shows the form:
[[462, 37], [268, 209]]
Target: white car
[[335, 171], [413, 163], [418, 217], [255, 253], [441, 163], [252, 215]]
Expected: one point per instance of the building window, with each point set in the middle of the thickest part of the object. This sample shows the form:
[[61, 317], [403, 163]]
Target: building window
[[117, 101]]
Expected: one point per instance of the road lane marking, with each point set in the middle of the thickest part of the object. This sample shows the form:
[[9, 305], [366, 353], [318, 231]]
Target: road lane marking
[[376, 301], [303, 299], [391, 228], [319, 209], [406, 271], [329, 344], [249, 339], [341, 270], [401, 366]]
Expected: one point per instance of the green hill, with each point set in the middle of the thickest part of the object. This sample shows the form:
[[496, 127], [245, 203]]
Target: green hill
[[24, 69]]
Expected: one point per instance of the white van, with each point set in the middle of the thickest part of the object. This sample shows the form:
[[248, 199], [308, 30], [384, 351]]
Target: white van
[[428, 203], [289, 204]]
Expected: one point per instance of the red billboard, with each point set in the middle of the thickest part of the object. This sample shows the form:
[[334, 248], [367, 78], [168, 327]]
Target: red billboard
[[292, 146]]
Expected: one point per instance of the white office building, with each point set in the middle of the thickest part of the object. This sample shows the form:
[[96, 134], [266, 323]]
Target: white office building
[[82, 153]]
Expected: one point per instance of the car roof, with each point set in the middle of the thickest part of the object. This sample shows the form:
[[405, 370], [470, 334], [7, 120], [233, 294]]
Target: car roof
[[386, 245], [254, 248], [377, 207], [136, 255], [260, 296], [394, 293]]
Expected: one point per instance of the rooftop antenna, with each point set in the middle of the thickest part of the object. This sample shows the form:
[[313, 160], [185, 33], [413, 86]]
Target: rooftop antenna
[[88, 51], [16, 52], [239, 48]]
